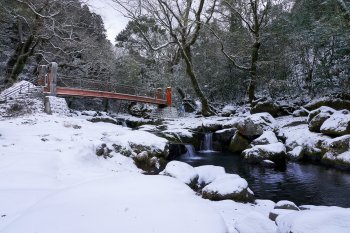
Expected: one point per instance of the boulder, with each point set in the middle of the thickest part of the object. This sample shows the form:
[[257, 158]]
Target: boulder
[[317, 121], [322, 109], [301, 112], [228, 187], [181, 171], [275, 152], [254, 125], [287, 205], [340, 144], [266, 106], [296, 154], [224, 136], [336, 103], [148, 163], [238, 143], [279, 212], [340, 161], [268, 137], [337, 125]]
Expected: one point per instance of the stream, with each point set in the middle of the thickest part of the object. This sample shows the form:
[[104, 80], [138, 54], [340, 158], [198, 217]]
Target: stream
[[301, 183]]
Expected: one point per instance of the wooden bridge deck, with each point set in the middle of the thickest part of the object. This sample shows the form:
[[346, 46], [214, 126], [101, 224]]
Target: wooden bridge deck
[[98, 89], [64, 91]]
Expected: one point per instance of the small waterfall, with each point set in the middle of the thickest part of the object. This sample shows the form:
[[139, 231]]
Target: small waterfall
[[190, 150], [124, 124], [207, 143]]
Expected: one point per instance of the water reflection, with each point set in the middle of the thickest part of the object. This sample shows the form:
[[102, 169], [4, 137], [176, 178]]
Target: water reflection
[[300, 183]]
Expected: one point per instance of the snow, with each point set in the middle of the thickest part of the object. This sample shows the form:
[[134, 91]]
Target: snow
[[126, 203], [315, 221], [300, 135], [232, 212], [243, 225], [57, 105], [181, 171], [209, 173], [25, 88], [226, 184]]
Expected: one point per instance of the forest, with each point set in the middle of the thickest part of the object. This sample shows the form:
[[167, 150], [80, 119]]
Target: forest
[[216, 52]]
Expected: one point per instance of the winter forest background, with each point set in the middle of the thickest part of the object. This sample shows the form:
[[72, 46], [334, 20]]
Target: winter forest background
[[237, 50]]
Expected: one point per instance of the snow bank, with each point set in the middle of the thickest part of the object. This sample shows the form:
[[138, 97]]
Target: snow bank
[[315, 221], [126, 203], [261, 224]]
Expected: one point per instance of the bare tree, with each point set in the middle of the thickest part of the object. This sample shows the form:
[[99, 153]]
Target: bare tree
[[183, 21], [253, 15]]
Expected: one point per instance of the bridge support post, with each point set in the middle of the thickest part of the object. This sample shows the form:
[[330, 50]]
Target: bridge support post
[[53, 78], [168, 96], [159, 93]]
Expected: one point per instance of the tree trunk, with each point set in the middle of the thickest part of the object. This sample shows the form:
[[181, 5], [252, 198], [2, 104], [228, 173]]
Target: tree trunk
[[206, 110], [17, 61], [253, 68]]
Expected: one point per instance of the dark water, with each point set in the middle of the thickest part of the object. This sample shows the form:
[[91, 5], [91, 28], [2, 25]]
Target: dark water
[[301, 183]]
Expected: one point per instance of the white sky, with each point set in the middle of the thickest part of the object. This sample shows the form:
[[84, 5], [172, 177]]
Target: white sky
[[114, 21]]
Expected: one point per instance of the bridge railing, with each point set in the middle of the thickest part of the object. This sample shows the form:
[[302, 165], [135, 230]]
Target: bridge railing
[[97, 85], [98, 88]]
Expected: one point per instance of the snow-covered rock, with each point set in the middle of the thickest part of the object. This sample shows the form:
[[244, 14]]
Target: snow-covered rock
[[266, 106], [228, 186], [275, 152], [301, 112], [268, 137], [341, 161], [323, 109], [312, 143], [181, 171], [339, 144], [315, 221], [295, 154], [337, 125], [255, 125], [224, 136], [288, 205], [279, 212], [208, 173]]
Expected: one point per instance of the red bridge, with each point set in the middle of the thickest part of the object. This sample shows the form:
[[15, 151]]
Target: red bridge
[[64, 86]]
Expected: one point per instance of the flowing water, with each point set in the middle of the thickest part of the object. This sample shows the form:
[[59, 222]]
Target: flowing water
[[207, 143], [300, 183]]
